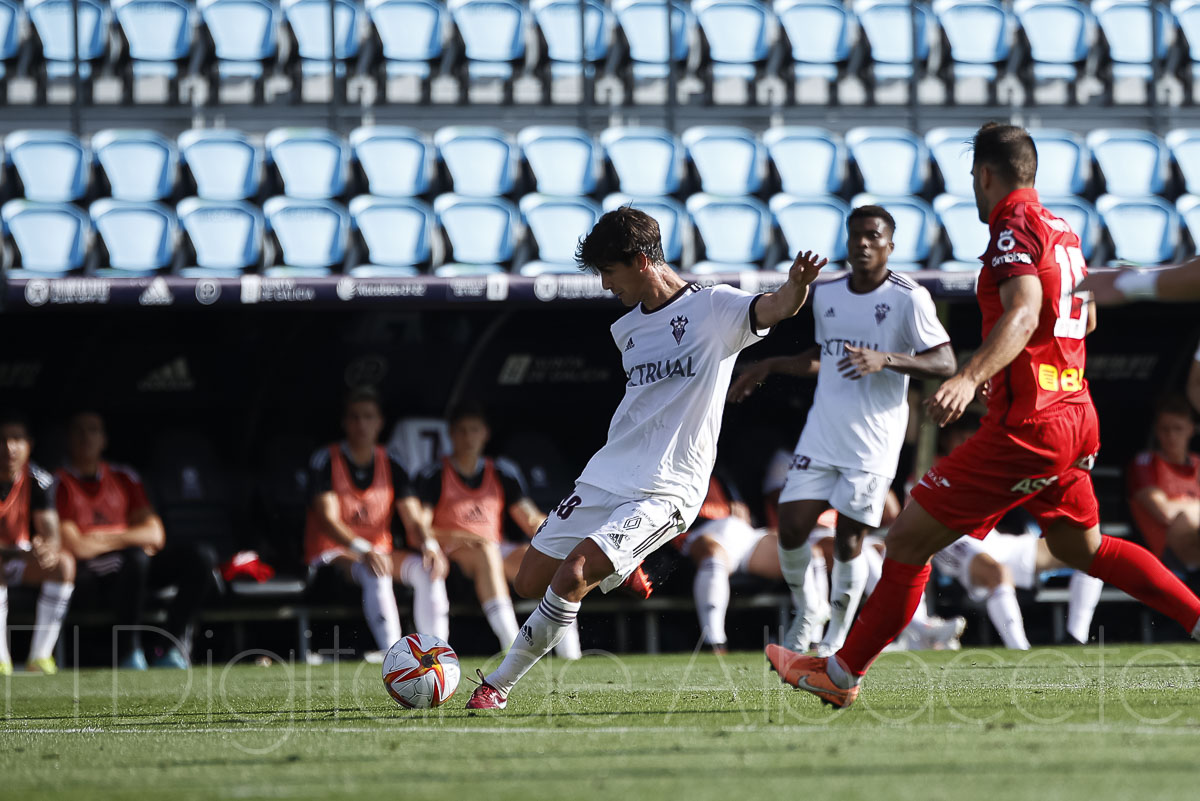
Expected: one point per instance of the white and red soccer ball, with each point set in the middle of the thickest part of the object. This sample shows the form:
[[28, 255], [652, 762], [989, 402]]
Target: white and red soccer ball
[[421, 671]]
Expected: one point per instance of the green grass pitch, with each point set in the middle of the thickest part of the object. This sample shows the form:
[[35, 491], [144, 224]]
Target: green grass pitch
[[1120, 722]]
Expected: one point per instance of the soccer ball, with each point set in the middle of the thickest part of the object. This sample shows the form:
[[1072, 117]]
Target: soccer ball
[[421, 671]]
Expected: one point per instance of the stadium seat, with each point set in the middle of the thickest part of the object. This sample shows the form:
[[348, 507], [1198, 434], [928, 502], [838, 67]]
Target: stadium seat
[[397, 161], [54, 166], [811, 223], [809, 161], [736, 232], [1144, 230], [160, 35], [671, 216], [1129, 29], [821, 36], [139, 165], [398, 233], [1134, 162], [729, 160], [482, 161], [456, 270], [1064, 162], [493, 34], [49, 238], [1081, 216], [12, 20], [226, 236], [140, 237], [410, 32], [951, 151], [644, 23], [892, 161], [739, 35], [556, 224], [481, 231], [1188, 207], [244, 39], [314, 163], [309, 22], [916, 228], [888, 26], [52, 20], [1060, 34], [1184, 144], [967, 235], [313, 235], [558, 21], [564, 160], [1187, 17], [980, 34], [646, 160], [224, 164]]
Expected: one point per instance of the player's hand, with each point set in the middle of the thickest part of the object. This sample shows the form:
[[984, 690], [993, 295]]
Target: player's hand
[[751, 379], [377, 563], [434, 560], [45, 554], [951, 400], [1103, 289], [805, 268], [859, 362]]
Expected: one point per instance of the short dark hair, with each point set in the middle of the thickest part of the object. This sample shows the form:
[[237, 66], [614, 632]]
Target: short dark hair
[[1008, 150], [12, 417], [1174, 403], [362, 394], [617, 237], [872, 212], [464, 410]]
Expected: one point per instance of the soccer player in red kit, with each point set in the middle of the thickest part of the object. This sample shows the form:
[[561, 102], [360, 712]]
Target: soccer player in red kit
[[1037, 442]]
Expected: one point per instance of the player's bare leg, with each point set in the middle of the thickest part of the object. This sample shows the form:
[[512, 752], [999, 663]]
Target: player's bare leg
[[1183, 532], [985, 572], [484, 566], [764, 559], [533, 583], [796, 521], [710, 588], [846, 582]]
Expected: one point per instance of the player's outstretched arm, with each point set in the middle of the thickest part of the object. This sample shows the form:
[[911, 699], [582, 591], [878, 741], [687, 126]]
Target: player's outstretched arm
[[936, 362], [1022, 300], [1173, 283], [804, 365], [775, 307]]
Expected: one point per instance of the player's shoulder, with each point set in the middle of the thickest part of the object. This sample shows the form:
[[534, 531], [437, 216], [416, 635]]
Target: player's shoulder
[[125, 473], [901, 283], [506, 467], [44, 478], [1144, 459], [431, 471], [319, 459]]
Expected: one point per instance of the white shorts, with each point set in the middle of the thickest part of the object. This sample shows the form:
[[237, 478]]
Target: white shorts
[[1018, 552], [626, 530], [737, 537], [857, 494]]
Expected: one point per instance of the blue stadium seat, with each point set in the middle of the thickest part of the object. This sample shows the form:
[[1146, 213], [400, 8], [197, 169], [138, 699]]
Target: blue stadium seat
[[968, 236], [54, 166], [227, 236], [893, 161], [456, 270], [480, 230], [52, 21], [1133, 161], [410, 32], [888, 28], [313, 235], [1184, 144], [224, 163], [1129, 28], [309, 21], [12, 18], [1081, 216], [646, 160], [556, 225], [397, 161], [951, 151], [564, 160], [159, 32], [139, 165], [482, 161], [1143, 229], [736, 232], [1187, 16], [916, 228], [809, 160], [671, 216], [811, 223], [738, 34], [980, 33], [493, 33], [1188, 207], [644, 23], [1064, 162], [140, 237], [729, 160], [314, 163], [50, 238], [243, 34], [398, 233], [559, 23], [821, 35], [1059, 32]]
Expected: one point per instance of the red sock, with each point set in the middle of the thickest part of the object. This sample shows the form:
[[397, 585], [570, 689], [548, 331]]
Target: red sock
[[1135, 570], [884, 615]]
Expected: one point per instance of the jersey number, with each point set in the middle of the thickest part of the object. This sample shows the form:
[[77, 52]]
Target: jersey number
[[1070, 266]]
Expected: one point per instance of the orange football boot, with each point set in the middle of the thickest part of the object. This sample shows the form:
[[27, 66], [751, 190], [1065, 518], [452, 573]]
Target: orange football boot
[[809, 673]]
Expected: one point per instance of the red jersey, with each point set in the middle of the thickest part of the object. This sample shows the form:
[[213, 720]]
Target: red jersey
[[102, 503], [1178, 481], [366, 512], [1026, 239]]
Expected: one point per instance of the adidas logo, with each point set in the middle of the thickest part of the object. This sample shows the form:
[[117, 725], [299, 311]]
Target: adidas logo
[[157, 294], [618, 539], [173, 376], [527, 634], [629, 344], [829, 312]]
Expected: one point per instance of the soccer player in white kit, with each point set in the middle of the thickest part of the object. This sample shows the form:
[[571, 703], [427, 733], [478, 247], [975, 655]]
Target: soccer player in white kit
[[874, 329], [678, 345]]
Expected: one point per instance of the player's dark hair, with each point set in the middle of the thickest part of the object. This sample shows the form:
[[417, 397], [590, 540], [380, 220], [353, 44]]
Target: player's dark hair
[[13, 417], [362, 394], [1176, 404], [1008, 150], [873, 212], [465, 410], [617, 237]]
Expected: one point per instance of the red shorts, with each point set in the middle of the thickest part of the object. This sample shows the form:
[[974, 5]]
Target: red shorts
[[1042, 465]]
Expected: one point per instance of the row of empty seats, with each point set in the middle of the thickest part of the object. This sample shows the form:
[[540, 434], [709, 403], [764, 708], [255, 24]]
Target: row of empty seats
[[460, 235], [499, 39], [394, 161]]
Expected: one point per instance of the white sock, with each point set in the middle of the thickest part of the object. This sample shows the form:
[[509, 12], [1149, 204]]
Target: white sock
[[501, 617], [846, 589], [1006, 617], [541, 632], [1085, 594], [52, 605], [568, 647], [794, 564], [711, 591], [4, 655], [379, 605], [431, 607]]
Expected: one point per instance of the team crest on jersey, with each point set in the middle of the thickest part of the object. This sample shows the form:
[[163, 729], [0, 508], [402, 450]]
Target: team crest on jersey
[[678, 326], [881, 312]]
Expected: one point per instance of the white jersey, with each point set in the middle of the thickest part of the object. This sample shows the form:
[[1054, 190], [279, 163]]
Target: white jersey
[[678, 361], [860, 425]]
